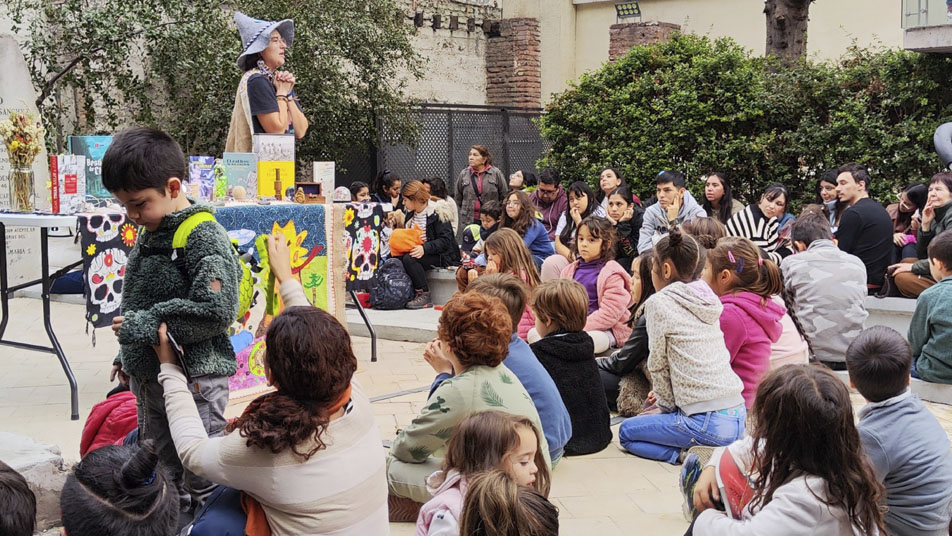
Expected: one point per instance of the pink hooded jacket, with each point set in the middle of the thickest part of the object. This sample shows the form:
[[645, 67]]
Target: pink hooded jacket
[[447, 499], [614, 299], [749, 330]]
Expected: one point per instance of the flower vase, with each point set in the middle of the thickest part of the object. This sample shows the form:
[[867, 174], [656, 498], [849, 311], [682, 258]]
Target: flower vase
[[22, 190]]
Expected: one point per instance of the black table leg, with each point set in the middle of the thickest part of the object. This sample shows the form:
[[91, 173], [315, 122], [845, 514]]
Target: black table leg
[[370, 327], [4, 305], [57, 349]]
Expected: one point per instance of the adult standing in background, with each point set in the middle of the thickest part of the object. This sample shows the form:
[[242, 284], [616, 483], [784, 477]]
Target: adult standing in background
[[477, 183], [550, 200], [265, 102]]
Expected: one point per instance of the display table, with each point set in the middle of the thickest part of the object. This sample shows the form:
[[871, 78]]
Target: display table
[[44, 222]]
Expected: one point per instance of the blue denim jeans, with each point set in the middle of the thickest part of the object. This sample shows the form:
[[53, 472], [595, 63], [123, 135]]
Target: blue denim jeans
[[663, 436]]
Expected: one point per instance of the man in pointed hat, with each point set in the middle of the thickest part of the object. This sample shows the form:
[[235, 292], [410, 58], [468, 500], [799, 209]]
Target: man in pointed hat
[[265, 102]]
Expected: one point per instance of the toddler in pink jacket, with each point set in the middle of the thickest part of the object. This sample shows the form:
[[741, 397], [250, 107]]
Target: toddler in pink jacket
[[608, 284], [751, 320], [482, 442]]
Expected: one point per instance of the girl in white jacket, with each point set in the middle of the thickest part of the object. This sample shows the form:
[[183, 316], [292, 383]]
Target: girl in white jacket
[[805, 464]]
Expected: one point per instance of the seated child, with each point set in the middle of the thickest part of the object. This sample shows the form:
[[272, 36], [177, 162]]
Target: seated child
[[476, 234], [359, 192], [473, 338], [706, 230], [567, 353], [507, 254], [792, 347], [808, 474], [582, 204], [751, 320], [439, 248], [607, 284], [556, 423], [825, 287], [120, 489], [626, 216], [194, 292], [17, 502], [906, 445], [622, 372], [496, 505], [693, 385], [315, 428], [930, 332], [109, 421], [483, 442]]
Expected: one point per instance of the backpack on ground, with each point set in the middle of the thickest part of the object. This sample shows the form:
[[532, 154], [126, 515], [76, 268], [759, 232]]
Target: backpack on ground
[[394, 288]]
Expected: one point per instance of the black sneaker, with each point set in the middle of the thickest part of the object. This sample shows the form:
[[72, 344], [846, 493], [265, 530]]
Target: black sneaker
[[421, 300]]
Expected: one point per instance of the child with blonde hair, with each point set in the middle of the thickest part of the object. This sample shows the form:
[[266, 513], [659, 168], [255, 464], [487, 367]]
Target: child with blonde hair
[[568, 355], [482, 442], [498, 506]]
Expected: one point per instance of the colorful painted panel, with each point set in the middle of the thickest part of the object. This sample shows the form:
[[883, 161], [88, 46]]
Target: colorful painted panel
[[106, 242], [363, 223]]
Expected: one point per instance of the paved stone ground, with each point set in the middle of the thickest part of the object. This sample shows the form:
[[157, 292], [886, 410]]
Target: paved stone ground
[[609, 492]]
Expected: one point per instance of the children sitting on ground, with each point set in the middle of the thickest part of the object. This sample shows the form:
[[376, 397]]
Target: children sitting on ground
[[476, 234], [623, 373], [359, 192], [437, 247], [507, 254], [520, 216], [192, 289], [693, 385], [608, 284], [484, 441], [556, 422], [473, 339], [750, 321], [807, 472], [930, 334], [17, 502], [626, 216], [120, 489], [906, 445], [825, 287], [581, 205], [498, 506], [567, 353], [316, 428]]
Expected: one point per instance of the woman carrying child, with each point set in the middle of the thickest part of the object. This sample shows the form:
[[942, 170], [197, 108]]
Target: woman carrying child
[[438, 248], [582, 204], [626, 216], [306, 448], [484, 441], [804, 462], [751, 321], [568, 355], [693, 385], [608, 284]]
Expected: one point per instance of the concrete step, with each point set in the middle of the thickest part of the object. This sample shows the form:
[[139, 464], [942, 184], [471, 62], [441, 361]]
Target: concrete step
[[399, 325], [938, 393], [895, 313], [44, 470], [442, 284]]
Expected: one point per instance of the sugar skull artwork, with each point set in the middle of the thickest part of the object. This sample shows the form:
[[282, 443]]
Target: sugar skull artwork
[[362, 234], [106, 240], [105, 227], [105, 275]]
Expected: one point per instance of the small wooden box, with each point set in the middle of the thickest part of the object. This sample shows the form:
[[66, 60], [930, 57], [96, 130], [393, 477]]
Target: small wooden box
[[308, 193]]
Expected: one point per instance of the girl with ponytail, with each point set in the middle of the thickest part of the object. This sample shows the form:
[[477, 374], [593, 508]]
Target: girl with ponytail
[[751, 320], [304, 449], [120, 490]]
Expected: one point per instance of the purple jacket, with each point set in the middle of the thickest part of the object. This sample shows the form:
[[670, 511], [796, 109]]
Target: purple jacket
[[749, 330], [550, 212]]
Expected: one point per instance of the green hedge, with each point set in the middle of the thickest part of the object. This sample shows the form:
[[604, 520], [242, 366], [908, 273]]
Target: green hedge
[[697, 105]]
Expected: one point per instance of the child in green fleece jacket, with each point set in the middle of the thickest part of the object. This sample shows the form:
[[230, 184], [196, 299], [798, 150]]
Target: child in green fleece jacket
[[195, 294], [930, 330]]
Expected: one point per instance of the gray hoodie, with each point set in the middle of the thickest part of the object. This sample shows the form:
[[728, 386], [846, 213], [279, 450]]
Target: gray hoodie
[[655, 222], [689, 364]]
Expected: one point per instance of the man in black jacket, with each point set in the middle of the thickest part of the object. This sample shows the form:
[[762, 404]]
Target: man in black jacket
[[865, 228]]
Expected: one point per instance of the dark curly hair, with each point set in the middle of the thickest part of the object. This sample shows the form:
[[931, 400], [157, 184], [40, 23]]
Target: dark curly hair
[[805, 425], [476, 327], [602, 229], [309, 355]]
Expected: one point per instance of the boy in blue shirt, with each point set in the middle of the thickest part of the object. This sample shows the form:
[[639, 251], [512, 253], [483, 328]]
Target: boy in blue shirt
[[192, 289], [907, 447]]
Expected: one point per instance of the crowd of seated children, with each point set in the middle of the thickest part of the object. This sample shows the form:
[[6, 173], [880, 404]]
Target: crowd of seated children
[[581, 205], [626, 216], [482, 442], [930, 330], [568, 355], [496, 505], [698, 395], [520, 215], [907, 447]]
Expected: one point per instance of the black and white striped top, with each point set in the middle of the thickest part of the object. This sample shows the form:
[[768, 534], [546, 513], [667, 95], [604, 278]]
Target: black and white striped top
[[752, 224]]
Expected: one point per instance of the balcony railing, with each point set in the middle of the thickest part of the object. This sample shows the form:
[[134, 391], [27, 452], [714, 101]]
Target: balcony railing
[[921, 13]]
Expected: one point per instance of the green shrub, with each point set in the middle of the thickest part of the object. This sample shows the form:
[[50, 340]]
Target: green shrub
[[698, 105]]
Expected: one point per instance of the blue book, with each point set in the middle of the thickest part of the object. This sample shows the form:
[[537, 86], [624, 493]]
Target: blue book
[[241, 169], [93, 148], [201, 177]]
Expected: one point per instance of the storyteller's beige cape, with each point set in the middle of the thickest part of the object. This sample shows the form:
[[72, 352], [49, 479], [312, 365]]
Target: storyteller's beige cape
[[240, 131]]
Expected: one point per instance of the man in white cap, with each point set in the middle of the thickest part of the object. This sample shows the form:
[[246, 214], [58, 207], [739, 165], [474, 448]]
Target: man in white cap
[[265, 102]]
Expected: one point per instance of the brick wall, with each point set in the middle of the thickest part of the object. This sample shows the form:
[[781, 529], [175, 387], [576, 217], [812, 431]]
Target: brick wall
[[512, 64], [622, 37]]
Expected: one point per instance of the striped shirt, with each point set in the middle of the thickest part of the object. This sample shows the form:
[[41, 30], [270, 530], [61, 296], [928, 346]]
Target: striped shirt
[[752, 224], [419, 220]]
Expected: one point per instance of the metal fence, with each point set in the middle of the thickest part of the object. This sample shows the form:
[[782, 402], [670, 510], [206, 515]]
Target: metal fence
[[446, 134]]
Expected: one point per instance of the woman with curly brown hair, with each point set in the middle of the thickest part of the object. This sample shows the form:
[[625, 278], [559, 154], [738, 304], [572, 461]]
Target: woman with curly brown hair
[[473, 339], [309, 452]]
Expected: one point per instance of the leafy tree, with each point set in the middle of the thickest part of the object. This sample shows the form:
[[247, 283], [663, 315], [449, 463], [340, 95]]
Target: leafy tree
[[171, 64]]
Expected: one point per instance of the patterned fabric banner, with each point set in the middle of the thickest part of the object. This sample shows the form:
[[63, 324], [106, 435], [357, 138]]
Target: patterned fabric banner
[[363, 223]]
